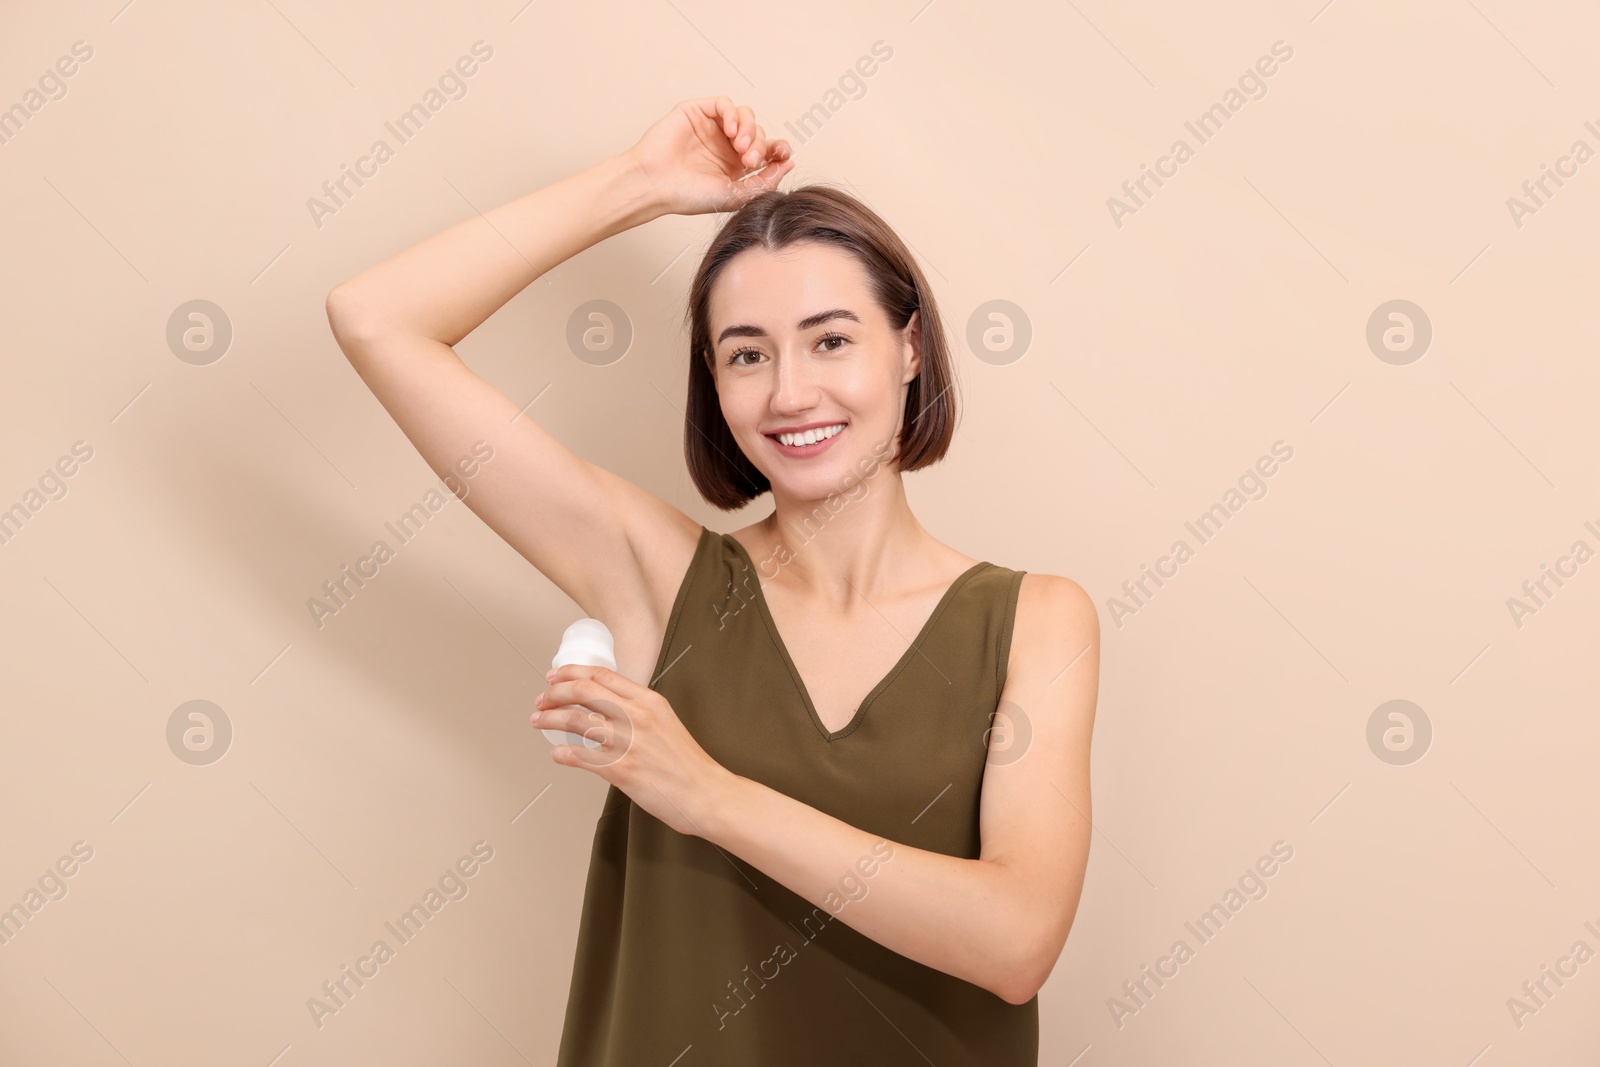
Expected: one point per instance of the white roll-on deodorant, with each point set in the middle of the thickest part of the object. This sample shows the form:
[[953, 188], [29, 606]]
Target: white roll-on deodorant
[[588, 642]]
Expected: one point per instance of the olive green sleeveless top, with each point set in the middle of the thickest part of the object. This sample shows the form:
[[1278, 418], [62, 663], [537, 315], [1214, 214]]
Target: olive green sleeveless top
[[688, 956]]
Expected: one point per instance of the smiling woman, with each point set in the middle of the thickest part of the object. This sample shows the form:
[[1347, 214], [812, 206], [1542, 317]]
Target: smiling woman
[[753, 755], [751, 383]]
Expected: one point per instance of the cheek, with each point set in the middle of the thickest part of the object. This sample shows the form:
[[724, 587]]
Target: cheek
[[865, 387], [742, 408]]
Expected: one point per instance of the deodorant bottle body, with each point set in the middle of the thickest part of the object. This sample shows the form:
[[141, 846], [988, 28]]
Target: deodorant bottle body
[[587, 642]]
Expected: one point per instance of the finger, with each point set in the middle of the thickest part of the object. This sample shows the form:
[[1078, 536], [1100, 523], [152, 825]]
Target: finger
[[604, 741], [580, 697], [572, 756], [604, 744], [716, 111], [757, 152], [769, 177], [598, 733], [614, 683], [774, 153], [572, 720], [746, 129], [727, 116]]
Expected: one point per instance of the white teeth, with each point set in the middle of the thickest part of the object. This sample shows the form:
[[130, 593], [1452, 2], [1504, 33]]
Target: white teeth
[[810, 437]]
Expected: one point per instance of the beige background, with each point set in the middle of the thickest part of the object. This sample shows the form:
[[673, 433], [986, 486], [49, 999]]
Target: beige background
[[1167, 354]]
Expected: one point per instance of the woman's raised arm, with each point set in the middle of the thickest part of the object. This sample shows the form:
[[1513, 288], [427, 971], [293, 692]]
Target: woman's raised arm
[[599, 538]]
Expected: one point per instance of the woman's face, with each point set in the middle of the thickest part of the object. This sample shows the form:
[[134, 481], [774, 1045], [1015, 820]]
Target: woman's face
[[799, 344]]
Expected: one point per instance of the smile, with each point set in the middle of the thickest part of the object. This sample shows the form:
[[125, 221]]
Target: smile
[[821, 433], [807, 443]]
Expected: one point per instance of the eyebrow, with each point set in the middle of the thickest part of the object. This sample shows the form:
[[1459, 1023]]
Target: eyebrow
[[804, 324]]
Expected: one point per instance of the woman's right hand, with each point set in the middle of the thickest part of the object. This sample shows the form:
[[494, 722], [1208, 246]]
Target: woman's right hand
[[699, 158]]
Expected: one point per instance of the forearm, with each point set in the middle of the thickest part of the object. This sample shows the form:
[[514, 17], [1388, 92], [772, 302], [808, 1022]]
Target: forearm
[[444, 287], [964, 917]]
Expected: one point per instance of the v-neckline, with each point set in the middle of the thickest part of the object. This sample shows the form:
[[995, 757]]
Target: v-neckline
[[884, 682]]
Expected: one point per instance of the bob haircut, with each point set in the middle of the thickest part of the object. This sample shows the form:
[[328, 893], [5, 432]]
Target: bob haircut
[[774, 220]]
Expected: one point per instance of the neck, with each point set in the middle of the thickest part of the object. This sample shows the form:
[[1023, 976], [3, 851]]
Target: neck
[[843, 546]]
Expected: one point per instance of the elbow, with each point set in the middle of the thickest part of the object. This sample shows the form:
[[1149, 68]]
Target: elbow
[[351, 323], [1030, 968], [1017, 998], [1022, 984], [339, 311], [1018, 975]]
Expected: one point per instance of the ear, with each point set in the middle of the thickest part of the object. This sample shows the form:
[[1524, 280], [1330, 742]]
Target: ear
[[913, 339]]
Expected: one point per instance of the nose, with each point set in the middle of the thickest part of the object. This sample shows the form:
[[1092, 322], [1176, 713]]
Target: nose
[[793, 383]]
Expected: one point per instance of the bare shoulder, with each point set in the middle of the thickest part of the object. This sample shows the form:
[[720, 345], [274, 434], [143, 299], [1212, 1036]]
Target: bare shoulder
[[1056, 626], [1049, 600]]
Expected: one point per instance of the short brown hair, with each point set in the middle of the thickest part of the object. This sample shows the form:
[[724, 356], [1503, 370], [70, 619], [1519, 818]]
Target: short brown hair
[[775, 220]]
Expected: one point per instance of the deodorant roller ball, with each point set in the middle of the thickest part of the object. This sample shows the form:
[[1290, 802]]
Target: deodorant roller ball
[[589, 643]]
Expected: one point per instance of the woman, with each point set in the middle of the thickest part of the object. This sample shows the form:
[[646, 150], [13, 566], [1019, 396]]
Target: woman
[[819, 740]]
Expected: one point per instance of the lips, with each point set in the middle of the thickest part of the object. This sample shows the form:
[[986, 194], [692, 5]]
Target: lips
[[819, 429], [806, 451]]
